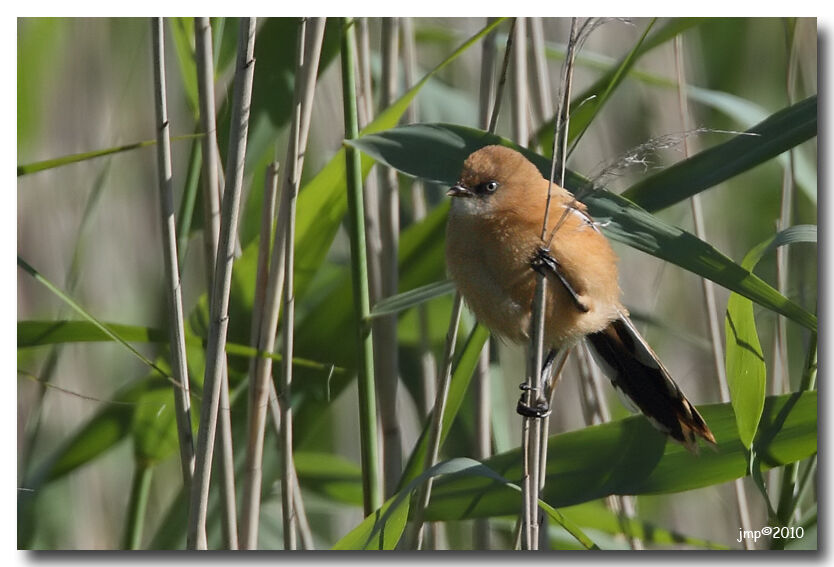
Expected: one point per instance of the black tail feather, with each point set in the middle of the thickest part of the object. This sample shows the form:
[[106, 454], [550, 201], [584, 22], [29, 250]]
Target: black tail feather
[[636, 371]]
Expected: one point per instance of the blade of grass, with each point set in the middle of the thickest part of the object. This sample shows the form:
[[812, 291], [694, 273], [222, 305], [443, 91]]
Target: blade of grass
[[37, 166], [779, 132]]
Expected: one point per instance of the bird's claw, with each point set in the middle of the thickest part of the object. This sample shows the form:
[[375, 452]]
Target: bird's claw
[[539, 409], [542, 259]]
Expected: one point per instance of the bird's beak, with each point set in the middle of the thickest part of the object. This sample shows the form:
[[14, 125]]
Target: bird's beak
[[459, 191]]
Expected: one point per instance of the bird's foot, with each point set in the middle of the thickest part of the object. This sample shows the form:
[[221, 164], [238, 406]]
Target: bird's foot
[[539, 409]]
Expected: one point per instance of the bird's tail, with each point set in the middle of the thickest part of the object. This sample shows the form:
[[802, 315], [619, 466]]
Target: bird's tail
[[636, 371]]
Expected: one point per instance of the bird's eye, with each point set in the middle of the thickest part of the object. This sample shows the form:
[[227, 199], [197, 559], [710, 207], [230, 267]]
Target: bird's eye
[[491, 186]]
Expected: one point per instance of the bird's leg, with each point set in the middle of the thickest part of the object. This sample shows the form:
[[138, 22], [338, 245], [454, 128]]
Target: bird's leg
[[544, 263], [541, 404]]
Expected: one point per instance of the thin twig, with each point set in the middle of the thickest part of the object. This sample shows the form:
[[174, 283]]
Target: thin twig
[[708, 289], [386, 360], [371, 489], [433, 446], [179, 366], [219, 312], [211, 233]]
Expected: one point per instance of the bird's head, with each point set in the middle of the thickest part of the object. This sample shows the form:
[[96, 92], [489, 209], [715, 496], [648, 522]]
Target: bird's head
[[492, 178]]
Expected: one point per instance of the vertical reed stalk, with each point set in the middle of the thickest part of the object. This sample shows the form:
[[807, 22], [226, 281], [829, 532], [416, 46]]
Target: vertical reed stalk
[[541, 78], [520, 94], [534, 446], [182, 401], [268, 285], [428, 373], [219, 311], [481, 384], [785, 219], [251, 501], [211, 233], [386, 360], [365, 114], [708, 289], [309, 50], [433, 447], [499, 93], [304, 531], [371, 489], [542, 107]]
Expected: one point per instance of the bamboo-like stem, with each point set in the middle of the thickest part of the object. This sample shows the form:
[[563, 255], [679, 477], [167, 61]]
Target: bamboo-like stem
[[227, 462], [304, 531], [541, 78], [542, 106], [371, 489], [208, 124], [433, 445], [309, 50], [428, 373], [365, 113], [211, 234], [219, 312], [708, 289], [486, 99], [520, 94], [182, 401], [265, 310], [493, 121], [386, 360], [531, 426], [137, 505], [481, 381], [364, 85], [781, 366]]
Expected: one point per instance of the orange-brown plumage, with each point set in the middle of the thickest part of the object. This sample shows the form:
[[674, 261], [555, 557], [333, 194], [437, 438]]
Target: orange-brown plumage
[[494, 235], [490, 243]]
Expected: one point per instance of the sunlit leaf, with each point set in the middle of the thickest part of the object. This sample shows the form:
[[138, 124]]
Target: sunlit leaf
[[746, 369]]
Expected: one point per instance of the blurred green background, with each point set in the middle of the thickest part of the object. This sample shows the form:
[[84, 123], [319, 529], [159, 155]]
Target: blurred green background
[[92, 228]]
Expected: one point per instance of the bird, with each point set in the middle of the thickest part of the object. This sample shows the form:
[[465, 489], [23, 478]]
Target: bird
[[494, 249]]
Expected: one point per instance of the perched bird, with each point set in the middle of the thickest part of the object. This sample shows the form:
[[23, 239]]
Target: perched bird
[[494, 247]]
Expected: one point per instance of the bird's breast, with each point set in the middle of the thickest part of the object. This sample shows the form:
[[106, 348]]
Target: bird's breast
[[489, 259]]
